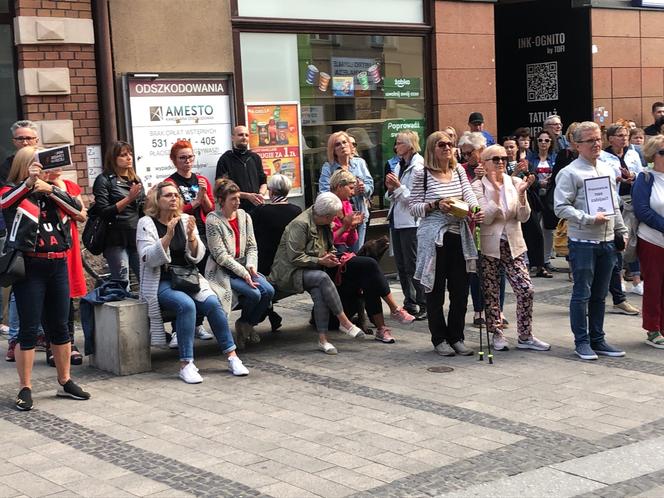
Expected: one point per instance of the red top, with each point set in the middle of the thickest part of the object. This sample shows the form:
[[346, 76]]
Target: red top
[[77, 287], [350, 237], [236, 231]]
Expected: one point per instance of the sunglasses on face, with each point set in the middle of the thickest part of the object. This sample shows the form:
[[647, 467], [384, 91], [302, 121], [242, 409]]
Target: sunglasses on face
[[544, 140], [498, 159], [444, 145]]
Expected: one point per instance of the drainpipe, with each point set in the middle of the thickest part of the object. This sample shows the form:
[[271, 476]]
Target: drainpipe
[[105, 79]]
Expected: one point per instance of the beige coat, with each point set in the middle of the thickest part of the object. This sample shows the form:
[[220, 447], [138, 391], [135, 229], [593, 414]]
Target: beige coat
[[496, 220], [222, 260]]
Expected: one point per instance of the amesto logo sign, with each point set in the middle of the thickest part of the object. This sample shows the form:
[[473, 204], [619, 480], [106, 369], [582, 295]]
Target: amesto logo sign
[[177, 112], [155, 113]]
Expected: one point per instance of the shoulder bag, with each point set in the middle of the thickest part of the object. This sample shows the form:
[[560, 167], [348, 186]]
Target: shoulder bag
[[12, 267], [184, 278], [94, 233]]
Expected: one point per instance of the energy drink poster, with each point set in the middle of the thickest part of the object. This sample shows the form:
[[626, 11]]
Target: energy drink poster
[[274, 134], [164, 110]]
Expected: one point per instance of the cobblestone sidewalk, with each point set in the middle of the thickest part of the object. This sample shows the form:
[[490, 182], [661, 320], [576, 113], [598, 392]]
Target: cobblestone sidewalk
[[371, 421]]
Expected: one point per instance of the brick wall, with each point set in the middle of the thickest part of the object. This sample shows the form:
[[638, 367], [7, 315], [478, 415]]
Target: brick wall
[[628, 66], [82, 105]]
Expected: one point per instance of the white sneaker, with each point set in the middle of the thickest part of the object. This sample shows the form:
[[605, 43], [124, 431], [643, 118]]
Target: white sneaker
[[202, 334], [189, 374], [174, 341], [499, 342], [354, 331], [637, 289], [236, 367], [327, 348]]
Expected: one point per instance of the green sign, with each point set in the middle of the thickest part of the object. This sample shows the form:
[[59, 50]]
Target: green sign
[[393, 126], [402, 88]]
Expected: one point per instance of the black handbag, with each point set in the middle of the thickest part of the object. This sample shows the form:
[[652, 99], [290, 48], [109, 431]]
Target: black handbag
[[12, 267], [94, 233], [184, 278]]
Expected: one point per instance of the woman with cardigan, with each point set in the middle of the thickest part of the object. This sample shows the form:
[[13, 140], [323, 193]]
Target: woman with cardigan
[[166, 237], [446, 249], [233, 264]]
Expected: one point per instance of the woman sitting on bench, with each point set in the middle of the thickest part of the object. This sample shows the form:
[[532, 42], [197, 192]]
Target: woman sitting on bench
[[233, 261], [168, 242], [305, 252]]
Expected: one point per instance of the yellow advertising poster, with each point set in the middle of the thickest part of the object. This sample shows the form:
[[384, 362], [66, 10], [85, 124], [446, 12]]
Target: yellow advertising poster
[[274, 134]]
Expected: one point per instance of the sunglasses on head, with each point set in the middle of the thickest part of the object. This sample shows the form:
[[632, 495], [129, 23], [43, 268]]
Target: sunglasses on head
[[444, 145]]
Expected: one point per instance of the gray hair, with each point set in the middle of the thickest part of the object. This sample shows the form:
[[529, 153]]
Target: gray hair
[[473, 138], [279, 184], [327, 204], [24, 123], [551, 118], [577, 134]]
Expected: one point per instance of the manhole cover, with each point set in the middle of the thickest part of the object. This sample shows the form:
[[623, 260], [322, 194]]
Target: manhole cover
[[440, 370]]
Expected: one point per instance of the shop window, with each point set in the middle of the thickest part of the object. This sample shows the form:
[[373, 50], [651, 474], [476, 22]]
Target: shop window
[[368, 86]]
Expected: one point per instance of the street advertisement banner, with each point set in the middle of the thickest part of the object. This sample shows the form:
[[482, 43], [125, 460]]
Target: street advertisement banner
[[274, 134], [166, 110], [392, 127]]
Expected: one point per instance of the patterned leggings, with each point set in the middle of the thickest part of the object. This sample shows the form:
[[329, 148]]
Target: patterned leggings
[[519, 278]]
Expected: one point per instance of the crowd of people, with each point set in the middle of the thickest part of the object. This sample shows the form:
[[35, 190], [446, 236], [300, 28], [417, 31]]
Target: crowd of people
[[465, 215]]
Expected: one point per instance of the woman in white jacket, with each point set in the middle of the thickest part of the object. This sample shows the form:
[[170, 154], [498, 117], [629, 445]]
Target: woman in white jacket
[[165, 238], [403, 225], [505, 206]]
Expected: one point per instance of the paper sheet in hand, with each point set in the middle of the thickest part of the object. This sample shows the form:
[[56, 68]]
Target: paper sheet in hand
[[56, 157], [599, 196]]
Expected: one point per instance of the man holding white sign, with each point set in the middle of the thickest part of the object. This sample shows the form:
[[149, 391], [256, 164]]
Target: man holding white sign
[[588, 203]]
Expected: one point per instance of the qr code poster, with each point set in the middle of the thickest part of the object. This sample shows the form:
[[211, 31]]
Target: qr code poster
[[542, 81]]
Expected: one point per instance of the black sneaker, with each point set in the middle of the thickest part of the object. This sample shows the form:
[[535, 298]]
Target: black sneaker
[[605, 349], [72, 390], [24, 399], [420, 315]]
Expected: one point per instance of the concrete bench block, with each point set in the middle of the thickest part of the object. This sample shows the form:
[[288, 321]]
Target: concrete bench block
[[122, 337]]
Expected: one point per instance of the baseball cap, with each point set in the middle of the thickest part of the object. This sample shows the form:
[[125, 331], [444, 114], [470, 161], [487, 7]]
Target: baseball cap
[[476, 117]]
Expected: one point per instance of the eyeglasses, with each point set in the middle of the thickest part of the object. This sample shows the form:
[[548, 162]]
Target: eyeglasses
[[25, 139], [556, 124], [544, 140], [444, 145], [339, 144], [498, 159], [591, 141], [186, 158]]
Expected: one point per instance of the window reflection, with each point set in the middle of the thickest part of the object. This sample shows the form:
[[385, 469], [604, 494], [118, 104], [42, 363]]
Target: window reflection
[[371, 86]]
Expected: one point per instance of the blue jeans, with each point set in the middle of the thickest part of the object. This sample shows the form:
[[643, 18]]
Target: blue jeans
[[14, 322], [255, 302], [43, 295], [185, 322], [361, 235], [592, 266], [120, 260]]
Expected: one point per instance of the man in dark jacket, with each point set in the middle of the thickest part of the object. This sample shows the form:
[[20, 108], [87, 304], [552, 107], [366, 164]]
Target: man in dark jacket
[[658, 118], [245, 168]]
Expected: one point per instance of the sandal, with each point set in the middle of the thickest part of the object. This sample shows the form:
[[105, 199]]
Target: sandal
[[655, 340], [543, 273], [75, 358]]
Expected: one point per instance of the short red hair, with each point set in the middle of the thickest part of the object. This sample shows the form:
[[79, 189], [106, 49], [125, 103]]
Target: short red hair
[[179, 145]]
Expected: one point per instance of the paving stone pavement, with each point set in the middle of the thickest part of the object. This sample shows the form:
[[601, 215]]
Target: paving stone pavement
[[371, 421]]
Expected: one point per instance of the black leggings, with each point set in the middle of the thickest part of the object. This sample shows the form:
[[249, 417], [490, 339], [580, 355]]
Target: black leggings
[[363, 273]]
